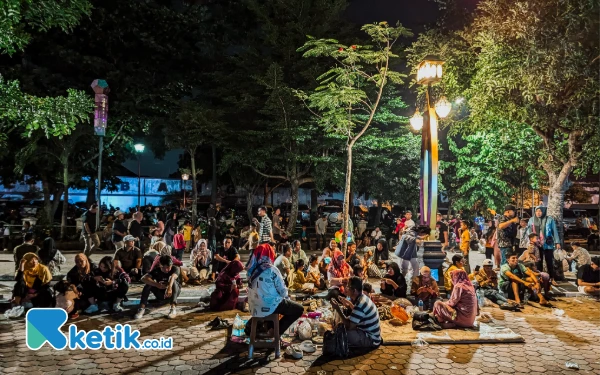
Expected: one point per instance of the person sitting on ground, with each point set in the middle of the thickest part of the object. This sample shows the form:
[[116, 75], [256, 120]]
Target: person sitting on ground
[[532, 254], [461, 308], [424, 288], [299, 280], [515, 278], [200, 260], [51, 257], [382, 254], [224, 255], [163, 282], [588, 278], [82, 276], [360, 272], [284, 264], [362, 325], [351, 257], [580, 256], [367, 289], [112, 283], [267, 293], [328, 251], [487, 280], [66, 297], [164, 249], [393, 283], [150, 255], [314, 275], [226, 293], [338, 274], [26, 247], [542, 278], [457, 263], [298, 253], [32, 287], [130, 258]]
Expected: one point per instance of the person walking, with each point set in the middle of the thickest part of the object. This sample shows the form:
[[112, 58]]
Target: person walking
[[90, 229], [321, 230]]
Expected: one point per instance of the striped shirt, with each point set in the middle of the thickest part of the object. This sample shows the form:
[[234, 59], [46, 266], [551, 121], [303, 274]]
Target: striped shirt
[[264, 231], [366, 318]]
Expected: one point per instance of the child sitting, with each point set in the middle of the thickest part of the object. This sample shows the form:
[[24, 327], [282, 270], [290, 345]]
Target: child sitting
[[300, 284], [66, 294], [532, 254], [367, 289], [314, 275]]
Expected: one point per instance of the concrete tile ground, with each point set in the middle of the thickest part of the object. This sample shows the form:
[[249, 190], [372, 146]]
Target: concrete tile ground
[[550, 342]]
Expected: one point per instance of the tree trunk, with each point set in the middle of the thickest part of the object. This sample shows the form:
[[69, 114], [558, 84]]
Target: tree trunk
[[213, 195], [379, 209], [194, 186], [266, 192], [344, 242], [63, 222], [294, 209], [558, 185], [47, 215], [58, 192], [91, 192], [249, 202]]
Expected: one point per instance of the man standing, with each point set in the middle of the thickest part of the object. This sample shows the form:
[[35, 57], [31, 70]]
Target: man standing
[[119, 230], [277, 225], [362, 325], [409, 223], [136, 230], [26, 247], [163, 282], [506, 228], [442, 231], [265, 228], [90, 227], [130, 258], [321, 229]]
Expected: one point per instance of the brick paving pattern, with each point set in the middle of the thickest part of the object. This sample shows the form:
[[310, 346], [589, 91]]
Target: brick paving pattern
[[550, 342]]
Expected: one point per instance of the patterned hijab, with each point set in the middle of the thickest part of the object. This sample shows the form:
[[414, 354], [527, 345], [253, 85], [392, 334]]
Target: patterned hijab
[[337, 267], [263, 258]]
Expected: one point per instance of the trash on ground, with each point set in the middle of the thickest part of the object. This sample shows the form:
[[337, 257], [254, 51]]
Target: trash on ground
[[558, 312], [572, 365], [419, 343]]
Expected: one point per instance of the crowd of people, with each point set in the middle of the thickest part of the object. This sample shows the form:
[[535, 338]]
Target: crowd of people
[[514, 272]]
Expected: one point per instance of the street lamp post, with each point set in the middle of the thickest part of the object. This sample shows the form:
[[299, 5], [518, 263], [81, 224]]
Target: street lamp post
[[139, 148], [185, 177], [101, 91], [430, 72]]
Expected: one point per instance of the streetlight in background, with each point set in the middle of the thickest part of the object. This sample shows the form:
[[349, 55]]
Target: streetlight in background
[[139, 148], [185, 177], [101, 91]]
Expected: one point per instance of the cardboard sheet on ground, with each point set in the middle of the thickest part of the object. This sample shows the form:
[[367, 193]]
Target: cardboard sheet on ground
[[404, 335]]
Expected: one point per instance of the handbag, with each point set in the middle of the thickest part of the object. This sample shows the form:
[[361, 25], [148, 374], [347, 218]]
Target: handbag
[[336, 342], [422, 321]]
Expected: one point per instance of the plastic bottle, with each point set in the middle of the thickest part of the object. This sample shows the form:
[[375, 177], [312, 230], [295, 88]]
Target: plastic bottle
[[526, 297], [420, 304], [480, 298]]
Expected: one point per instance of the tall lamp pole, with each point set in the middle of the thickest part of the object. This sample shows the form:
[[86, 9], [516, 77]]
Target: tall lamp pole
[[430, 72], [101, 91], [139, 148], [185, 177]]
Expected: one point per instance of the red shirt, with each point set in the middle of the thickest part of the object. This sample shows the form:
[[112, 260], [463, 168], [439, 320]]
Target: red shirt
[[178, 242]]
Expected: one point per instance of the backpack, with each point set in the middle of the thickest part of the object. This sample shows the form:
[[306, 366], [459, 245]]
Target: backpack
[[336, 342], [422, 321]]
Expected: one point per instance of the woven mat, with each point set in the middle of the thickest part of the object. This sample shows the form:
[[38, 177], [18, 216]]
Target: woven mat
[[486, 333]]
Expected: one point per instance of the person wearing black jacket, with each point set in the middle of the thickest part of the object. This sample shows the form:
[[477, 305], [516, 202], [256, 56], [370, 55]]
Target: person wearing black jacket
[[82, 276], [393, 283], [136, 230]]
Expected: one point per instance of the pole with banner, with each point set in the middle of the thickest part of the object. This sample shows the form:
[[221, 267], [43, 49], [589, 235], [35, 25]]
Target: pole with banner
[[101, 90]]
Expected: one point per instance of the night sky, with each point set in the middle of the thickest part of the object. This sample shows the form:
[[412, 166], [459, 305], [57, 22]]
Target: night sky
[[414, 14]]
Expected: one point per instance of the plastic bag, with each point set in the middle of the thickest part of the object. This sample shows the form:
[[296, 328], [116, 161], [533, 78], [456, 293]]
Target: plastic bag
[[15, 312], [305, 330], [239, 325], [399, 313], [572, 365], [558, 312], [419, 343]]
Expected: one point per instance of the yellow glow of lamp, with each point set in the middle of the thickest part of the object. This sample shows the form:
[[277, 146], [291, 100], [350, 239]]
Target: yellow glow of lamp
[[416, 121], [185, 177], [443, 107], [429, 70]]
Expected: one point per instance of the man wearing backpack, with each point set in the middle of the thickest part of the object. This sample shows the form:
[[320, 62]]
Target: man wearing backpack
[[90, 227]]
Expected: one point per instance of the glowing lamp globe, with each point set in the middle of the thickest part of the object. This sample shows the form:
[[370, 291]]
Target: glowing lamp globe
[[429, 70], [416, 121], [185, 177], [443, 107], [139, 147]]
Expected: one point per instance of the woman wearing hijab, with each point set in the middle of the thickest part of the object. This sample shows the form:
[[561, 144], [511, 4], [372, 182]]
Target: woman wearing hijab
[[112, 283], [164, 249], [50, 256], [267, 293], [393, 283], [548, 237], [33, 283], [200, 260], [461, 308], [225, 296], [82, 276], [329, 250], [424, 288], [382, 254], [338, 273]]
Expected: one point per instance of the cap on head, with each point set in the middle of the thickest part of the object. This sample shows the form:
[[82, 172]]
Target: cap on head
[[128, 237], [487, 262]]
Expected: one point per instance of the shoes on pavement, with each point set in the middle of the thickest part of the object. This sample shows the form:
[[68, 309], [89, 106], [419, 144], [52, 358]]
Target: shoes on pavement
[[140, 313], [117, 307], [172, 313], [92, 309]]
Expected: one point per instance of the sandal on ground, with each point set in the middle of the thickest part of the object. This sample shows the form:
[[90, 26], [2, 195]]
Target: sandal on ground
[[294, 352]]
